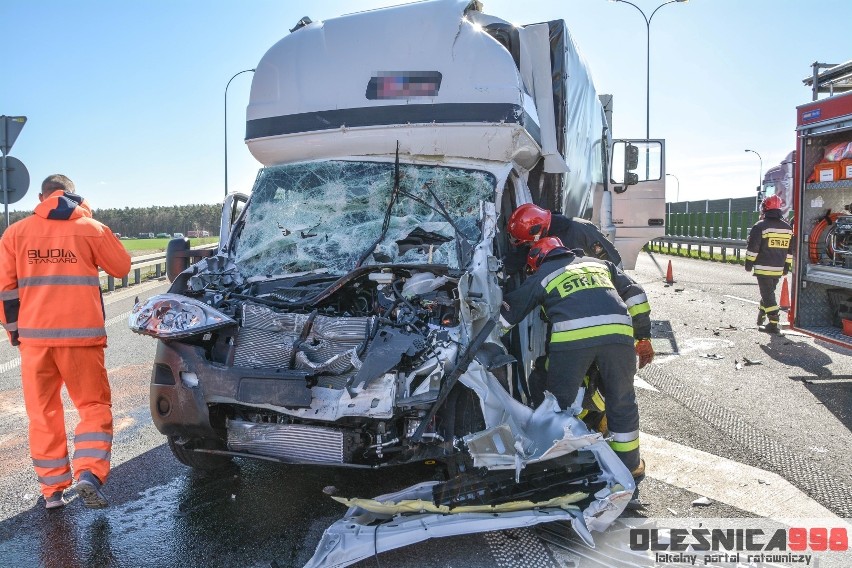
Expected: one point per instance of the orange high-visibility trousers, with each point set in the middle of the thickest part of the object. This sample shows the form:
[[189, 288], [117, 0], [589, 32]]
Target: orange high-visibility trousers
[[81, 369]]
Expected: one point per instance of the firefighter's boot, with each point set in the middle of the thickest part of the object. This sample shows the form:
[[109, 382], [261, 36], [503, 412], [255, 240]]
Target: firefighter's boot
[[761, 317], [639, 472], [771, 327]]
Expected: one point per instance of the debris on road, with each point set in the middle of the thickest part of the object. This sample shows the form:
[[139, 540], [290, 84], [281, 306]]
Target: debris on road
[[672, 511], [714, 356], [748, 362], [702, 501], [737, 365]]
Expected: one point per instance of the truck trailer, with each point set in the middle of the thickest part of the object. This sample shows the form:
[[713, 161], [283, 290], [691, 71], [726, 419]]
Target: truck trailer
[[348, 317]]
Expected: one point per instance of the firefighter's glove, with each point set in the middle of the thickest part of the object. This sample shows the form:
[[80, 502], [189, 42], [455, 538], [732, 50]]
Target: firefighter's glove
[[645, 352]]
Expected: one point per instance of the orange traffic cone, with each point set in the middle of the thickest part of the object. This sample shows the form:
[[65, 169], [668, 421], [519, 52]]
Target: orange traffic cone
[[669, 277], [785, 296]]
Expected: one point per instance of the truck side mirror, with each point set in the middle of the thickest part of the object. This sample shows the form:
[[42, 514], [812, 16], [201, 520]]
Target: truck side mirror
[[631, 162], [631, 157]]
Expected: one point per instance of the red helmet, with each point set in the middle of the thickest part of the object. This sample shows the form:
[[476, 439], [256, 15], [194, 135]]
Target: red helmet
[[771, 202], [528, 223], [539, 250]]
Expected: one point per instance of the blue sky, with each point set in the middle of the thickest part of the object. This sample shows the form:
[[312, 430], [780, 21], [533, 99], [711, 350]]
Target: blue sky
[[126, 97]]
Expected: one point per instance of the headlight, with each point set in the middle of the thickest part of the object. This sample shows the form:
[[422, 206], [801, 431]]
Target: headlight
[[171, 316]]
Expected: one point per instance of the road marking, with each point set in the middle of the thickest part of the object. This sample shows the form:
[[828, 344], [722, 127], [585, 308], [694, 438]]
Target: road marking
[[116, 319], [643, 384], [755, 490], [9, 365], [135, 290], [742, 299], [16, 362]]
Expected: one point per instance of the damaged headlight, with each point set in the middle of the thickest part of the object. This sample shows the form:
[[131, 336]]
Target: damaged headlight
[[171, 316]]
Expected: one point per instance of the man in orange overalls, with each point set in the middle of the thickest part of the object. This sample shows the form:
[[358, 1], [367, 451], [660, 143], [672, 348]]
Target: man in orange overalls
[[52, 309]]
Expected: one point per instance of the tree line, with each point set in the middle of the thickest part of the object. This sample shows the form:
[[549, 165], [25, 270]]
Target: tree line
[[130, 221]]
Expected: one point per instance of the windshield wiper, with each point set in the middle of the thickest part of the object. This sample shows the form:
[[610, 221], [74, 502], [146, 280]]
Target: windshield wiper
[[386, 223]]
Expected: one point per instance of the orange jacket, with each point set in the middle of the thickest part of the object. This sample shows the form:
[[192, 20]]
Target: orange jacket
[[49, 287]]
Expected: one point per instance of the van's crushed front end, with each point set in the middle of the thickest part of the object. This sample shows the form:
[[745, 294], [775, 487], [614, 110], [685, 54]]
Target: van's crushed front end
[[349, 321]]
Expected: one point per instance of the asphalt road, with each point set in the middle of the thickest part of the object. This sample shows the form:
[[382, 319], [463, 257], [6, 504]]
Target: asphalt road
[[761, 441]]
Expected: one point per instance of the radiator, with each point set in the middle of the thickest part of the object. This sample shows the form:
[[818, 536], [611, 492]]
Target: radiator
[[289, 442]]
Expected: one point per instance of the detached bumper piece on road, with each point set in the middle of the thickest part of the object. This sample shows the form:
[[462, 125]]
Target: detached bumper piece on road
[[588, 487]]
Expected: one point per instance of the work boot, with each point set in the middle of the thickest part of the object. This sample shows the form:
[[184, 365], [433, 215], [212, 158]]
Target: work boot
[[639, 473], [55, 500], [771, 327], [89, 490]]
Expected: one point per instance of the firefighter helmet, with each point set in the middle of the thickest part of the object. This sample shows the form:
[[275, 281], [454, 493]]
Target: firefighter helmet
[[771, 202], [528, 223], [539, 250]]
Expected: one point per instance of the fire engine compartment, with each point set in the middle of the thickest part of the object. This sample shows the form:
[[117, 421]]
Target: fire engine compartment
[[823, 266]]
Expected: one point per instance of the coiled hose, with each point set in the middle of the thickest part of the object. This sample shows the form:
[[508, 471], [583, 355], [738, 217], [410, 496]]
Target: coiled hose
[[817, 238]]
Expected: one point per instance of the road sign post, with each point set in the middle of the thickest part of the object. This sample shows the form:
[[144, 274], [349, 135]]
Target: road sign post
[[15, 178]]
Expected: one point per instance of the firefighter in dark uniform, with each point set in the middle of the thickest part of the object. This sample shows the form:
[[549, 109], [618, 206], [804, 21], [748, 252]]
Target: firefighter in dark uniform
[[528, 223], [597, 314], [769, 256]]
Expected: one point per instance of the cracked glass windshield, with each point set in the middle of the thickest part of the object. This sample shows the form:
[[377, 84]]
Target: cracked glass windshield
[[330, 215]]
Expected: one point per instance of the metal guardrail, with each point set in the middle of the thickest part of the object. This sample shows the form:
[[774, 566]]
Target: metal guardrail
[[156, 260], [724, 245]]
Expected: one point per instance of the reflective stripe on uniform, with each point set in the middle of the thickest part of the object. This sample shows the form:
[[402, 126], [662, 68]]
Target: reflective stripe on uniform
[[93, 437], [637, 299], [59, 281], [9, 295], [591, 321], [51, 463], [92, 453], [591, 332], [768, 271], [547, 279], [642, 308], [13, 326], [578, 271], [598, 400], [624, 441], [751, 255], [777, 233], [556, 273], [53, 479], [624, 446], [767, 309], [32, 333]]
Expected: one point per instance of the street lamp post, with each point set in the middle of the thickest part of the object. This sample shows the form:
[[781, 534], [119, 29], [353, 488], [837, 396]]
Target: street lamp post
[[760, 172], [226, 124], [648, 58], [677, 197]]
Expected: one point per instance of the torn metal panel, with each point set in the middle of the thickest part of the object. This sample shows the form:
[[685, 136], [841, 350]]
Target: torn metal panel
[[363, 533], [409, 516]]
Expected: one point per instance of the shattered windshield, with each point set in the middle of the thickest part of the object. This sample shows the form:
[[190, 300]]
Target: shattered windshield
[[329, 215]]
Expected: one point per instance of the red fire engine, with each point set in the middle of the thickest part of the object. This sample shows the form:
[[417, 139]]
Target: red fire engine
[[821, 283]]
